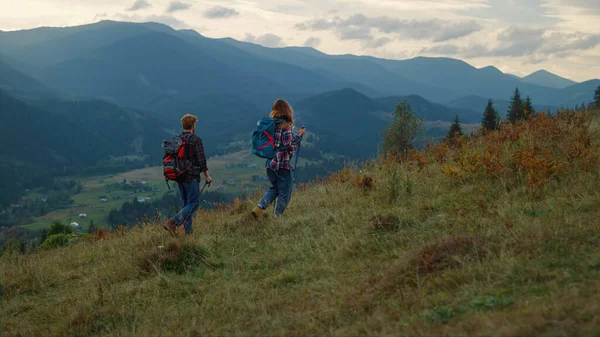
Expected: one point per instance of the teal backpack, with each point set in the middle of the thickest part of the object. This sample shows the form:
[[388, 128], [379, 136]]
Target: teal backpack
[[263, 138]]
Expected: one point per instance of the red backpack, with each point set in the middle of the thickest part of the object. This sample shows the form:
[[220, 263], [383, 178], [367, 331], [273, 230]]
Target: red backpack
[[176, 165]]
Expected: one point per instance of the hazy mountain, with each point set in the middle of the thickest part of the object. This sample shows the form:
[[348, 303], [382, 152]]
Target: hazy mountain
[[37, 136], [436, 79], [45, 46], [79, 133], [459, 76], [547, 79], [18, 83], [134, 63], [364, 70], [580, 93], [346, 121], [432, 111]]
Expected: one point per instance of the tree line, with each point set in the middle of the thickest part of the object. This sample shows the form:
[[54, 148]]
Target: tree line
[[399, 136], [517, 110]]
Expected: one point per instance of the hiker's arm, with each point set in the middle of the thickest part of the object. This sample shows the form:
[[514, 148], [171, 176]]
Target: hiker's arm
[[288, 142], [200, 156], [201, 160]]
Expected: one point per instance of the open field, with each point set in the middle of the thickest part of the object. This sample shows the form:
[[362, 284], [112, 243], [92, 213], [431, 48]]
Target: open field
[[496, 235]]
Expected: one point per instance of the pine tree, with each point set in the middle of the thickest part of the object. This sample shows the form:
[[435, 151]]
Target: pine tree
[[490, 117], [528, 107], [597, 97], [455, 129], [515, 110]]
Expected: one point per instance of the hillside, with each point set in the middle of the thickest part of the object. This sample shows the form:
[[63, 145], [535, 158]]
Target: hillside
[[68, 137], [432, 111], [496, 235], [19, 83], [545, 78], [345, 121]]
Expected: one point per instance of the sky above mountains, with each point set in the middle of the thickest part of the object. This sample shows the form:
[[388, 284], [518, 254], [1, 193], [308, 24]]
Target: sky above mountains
[[517, 36]]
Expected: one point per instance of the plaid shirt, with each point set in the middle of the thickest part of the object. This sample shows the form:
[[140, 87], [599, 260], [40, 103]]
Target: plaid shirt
[[195, 152], [285, 145]]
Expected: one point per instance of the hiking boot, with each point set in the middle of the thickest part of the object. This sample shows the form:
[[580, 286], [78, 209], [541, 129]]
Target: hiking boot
[[171, 227], [257, 213]]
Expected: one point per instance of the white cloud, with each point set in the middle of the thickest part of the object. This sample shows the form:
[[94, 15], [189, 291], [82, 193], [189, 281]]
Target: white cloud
[[176, 5], [219, 12], [168, 20], [312, 42], [360, 25], [518, 41], [139, 4], [267, 40]]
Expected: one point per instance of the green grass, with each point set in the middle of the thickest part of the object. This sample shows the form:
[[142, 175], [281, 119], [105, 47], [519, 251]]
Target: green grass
[[418, 252]]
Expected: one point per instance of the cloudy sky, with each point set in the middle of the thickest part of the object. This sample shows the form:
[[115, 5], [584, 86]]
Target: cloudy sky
[[517, 36]]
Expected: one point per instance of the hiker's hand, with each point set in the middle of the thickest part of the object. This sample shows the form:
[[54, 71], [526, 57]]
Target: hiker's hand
[[207, 176], [302, 131]]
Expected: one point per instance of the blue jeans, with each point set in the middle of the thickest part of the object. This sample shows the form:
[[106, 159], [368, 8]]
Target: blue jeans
[[189, 191], [281, 189]]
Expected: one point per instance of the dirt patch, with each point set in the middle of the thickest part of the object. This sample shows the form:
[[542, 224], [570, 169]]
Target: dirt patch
[[175, 257], [445, 253], [400, 277]]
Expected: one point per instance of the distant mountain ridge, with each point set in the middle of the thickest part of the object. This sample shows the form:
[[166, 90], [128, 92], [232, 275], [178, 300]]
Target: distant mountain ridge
[[121, 64], [545, 78], [433, 111]]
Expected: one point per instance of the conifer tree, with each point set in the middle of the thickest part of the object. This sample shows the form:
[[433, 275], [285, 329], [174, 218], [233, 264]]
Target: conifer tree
[[597, 97], [528, 107], [515, 110], [490, 117], [455, 129]]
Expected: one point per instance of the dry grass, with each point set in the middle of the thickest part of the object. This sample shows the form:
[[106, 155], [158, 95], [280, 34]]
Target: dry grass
[[492, 235]]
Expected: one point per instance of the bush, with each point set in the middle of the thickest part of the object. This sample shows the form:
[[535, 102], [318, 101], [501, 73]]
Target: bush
[[58, 227], [57, 240]]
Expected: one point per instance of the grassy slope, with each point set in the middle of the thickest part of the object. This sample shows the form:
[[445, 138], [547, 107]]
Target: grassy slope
[[463, 245]]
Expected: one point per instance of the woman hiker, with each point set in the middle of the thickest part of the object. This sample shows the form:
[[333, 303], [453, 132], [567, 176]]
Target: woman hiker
[[279, 169]]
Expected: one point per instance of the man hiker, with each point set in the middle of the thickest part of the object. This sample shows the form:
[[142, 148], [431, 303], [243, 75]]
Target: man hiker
[[189, 186]]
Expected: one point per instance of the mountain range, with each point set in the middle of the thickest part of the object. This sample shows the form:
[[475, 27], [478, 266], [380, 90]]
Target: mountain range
[[123, 87], [132, 64]]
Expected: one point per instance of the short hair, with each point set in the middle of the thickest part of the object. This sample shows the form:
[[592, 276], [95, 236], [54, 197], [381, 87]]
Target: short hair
[[188, 121]]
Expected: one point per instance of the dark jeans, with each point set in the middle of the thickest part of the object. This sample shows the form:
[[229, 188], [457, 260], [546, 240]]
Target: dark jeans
[[189, 192], [281, 189]]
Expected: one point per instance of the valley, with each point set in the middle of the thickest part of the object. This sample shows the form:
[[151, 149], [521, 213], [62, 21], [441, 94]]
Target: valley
[[447, 182]]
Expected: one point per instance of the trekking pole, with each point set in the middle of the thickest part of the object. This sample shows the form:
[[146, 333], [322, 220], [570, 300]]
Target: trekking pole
[[205, 186]]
